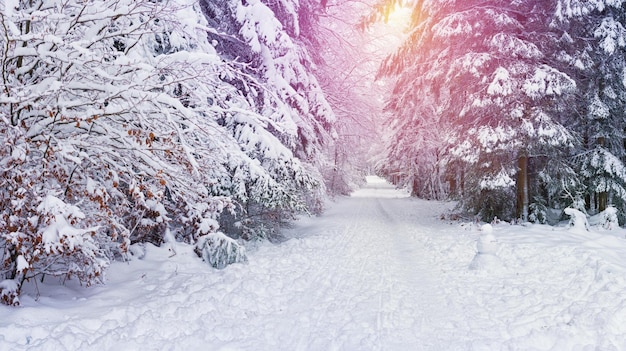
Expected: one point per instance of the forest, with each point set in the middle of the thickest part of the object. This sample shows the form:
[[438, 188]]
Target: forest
[[516, 109], [215, 122]]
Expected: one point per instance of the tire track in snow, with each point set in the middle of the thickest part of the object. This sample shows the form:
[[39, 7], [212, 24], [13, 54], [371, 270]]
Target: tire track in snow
[[352, 288]]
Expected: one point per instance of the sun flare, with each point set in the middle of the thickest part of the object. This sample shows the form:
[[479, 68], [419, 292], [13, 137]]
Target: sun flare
[[399, 17]]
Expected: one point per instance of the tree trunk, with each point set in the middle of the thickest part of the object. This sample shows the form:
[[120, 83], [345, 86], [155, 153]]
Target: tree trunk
[[603, 198], [522, 188], [452, 182], [414, 187], [462, 183]]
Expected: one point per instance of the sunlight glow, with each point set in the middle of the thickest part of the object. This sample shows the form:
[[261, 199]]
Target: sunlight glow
[[399, 17]]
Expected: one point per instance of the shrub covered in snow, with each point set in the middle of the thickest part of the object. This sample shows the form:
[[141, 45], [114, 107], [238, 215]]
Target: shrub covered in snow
[[52, 241], [120, 120], [608, 218], [9, 292], [219, 251], [578, 220], [538, 213]]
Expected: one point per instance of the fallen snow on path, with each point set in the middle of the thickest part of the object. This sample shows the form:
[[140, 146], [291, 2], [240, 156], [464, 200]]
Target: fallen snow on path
[[378, 271]]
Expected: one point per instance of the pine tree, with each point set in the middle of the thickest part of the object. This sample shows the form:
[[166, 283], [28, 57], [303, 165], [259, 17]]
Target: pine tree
[[594, 40], [477, 97], [287, 119]]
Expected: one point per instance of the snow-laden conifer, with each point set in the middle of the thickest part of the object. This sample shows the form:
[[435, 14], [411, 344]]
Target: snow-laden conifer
[[595, 40], [476, 96], [281, 120]]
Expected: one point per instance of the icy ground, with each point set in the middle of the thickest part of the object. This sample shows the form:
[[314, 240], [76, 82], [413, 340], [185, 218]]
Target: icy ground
[[378, 271]]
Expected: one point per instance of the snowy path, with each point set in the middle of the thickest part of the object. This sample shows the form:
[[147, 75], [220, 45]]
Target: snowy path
[[377, 272], [373, 289]]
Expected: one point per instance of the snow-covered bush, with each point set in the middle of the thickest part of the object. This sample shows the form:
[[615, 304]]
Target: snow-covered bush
[[9, 292], [61, 246], [578, 220], [123, 111], [538, 213], [219, 251], [490, 203], [99, 112], [608, 218], [51, 239]]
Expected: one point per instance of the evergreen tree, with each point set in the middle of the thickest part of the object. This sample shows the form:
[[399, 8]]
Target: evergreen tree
[[476, 103], [593, 50], [267, 43]]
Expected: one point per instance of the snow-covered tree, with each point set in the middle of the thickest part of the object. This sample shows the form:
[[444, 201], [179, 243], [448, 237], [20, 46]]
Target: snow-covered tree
[[267, 44], [351, 55], [99, 144], [594, 42], [279, 82], [477, 103], [120, 121]]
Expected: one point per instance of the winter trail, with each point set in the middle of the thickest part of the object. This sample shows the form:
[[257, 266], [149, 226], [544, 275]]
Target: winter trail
[[376, 289], [377, 271]]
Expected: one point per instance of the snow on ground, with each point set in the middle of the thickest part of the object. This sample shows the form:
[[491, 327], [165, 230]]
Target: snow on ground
[[378, 271]]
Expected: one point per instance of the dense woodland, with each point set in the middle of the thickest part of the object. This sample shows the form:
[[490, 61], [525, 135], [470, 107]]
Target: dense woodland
[[214, 122], [130, 121], [515, 108]]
